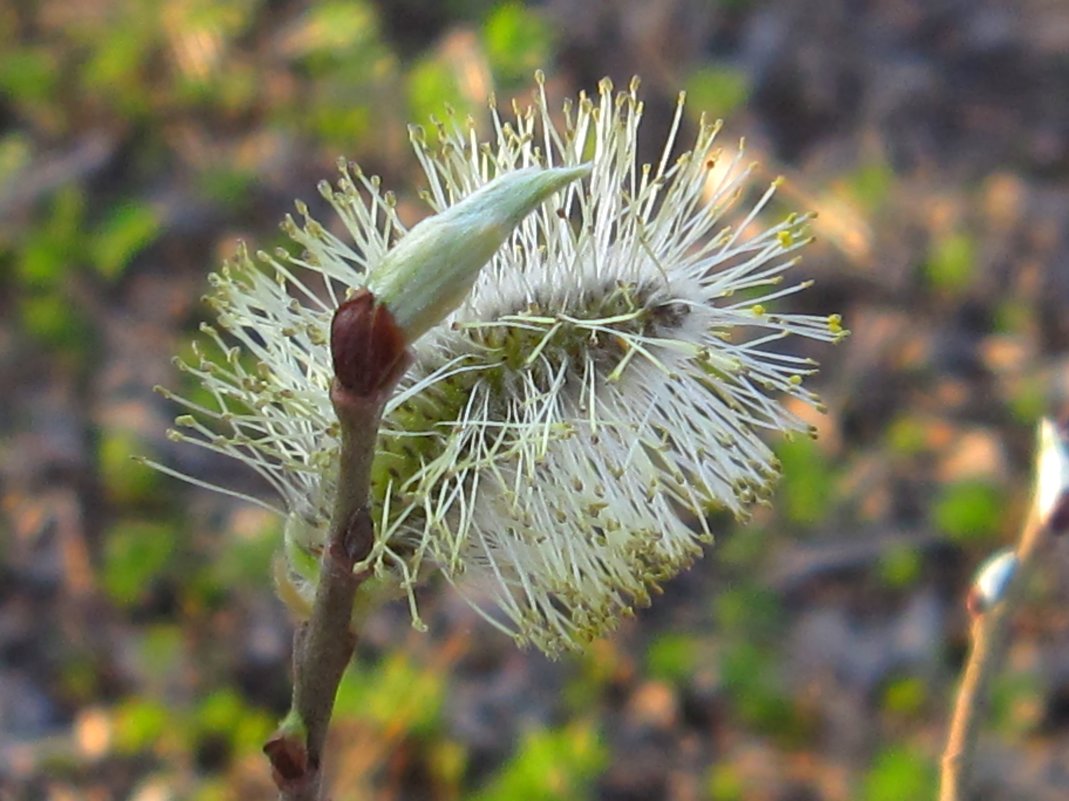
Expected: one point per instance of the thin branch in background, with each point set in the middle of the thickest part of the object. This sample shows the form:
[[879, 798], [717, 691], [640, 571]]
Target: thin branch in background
[[993, 602]]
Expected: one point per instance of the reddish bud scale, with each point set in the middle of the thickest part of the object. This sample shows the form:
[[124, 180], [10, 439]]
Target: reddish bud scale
[[289, 759], [1058, 519], [367, 346], [974, 603], [1058, 522]]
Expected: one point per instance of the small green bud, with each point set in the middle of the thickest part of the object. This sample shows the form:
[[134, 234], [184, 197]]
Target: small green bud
[[433, 268]]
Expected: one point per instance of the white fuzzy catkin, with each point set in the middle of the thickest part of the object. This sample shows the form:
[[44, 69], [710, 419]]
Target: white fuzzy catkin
[[561, 437]]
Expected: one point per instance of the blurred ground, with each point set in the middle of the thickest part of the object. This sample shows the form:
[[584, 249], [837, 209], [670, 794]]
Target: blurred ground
[[812, 655]]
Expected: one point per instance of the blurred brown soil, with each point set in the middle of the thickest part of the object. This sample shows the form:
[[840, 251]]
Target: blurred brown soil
[[960, 106]]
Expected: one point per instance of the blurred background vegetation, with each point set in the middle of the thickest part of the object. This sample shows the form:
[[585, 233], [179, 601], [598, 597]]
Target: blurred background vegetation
[[811, 656]]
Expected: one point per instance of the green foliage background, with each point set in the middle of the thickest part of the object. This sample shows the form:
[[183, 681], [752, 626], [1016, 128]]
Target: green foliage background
[[140, 140]]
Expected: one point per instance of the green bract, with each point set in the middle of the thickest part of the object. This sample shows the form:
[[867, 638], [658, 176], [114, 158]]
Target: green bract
[[432, 269]]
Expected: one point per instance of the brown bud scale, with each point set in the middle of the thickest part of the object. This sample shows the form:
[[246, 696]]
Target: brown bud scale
[[288, 757], [367, 346], [1058, 522]]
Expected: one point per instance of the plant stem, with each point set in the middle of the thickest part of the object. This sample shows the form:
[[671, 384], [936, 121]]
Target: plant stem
[[323, 645], [369, 354], [990, 637]]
